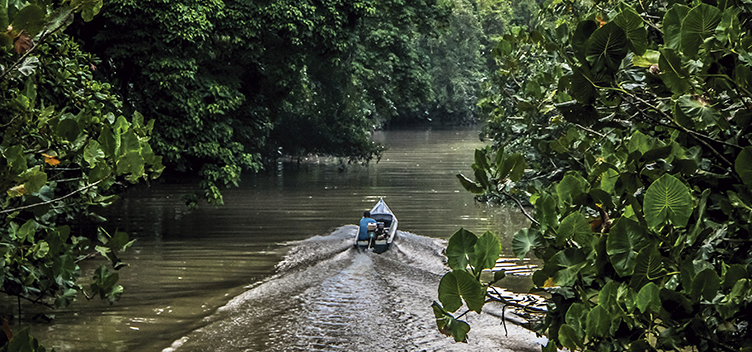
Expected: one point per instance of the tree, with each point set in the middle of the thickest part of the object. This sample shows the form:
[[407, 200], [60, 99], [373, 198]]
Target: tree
[[66, 149], [254, 80], [644, 227]]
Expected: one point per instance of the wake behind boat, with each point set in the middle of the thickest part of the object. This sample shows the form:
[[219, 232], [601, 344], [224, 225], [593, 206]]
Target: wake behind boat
[[382, 233]]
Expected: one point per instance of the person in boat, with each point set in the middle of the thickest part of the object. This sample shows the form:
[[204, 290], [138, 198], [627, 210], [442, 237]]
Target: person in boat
[[363, 233]]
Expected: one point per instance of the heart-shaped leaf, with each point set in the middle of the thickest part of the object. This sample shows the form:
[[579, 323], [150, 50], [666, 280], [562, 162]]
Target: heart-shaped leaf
[[605, 49], [487, 249], [699, 24], [458, 285], [461, 249], [525, 240], [625, 240], [667, 201]]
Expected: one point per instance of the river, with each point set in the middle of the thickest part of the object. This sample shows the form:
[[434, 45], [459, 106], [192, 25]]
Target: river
[[273, 269]]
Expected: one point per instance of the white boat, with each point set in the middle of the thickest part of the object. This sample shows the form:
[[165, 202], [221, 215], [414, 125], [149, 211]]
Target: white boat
[[384, 231]]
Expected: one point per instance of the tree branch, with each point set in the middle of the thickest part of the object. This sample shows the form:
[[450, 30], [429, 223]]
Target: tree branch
[[524, 212], [51, 200]]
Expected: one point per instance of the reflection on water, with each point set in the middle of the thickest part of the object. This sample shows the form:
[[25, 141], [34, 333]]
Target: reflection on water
[[187, 264]]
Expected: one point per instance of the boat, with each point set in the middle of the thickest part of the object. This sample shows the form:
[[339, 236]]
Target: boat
[[384, 230]]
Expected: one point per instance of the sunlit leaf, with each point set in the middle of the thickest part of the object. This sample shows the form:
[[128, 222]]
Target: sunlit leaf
[[650, 58], [461, 249], [667, 200], [458, 285], [16, 191], [700, 111], [487, 249], [525, 240], [572, 225], [470, 185], [93, 153], [35, 179], [448, 325]]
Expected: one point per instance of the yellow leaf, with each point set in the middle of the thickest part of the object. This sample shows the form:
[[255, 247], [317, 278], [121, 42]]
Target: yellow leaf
[[549, 282], [600, 20], [17, 191], [49, 159]]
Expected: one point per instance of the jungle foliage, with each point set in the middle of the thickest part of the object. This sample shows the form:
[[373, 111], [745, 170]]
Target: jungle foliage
[[626, 125], [67, 148], [233, 84]]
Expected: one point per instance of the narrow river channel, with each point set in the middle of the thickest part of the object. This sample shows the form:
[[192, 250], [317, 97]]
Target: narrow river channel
[[274, 270]]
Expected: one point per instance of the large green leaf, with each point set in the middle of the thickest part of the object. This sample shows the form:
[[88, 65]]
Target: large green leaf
[[545, 211], [625, 240], [667, 201], [673, 74], [525, 240], [93, 153], [570, 186], [514, 167], [743, 166], [458, 285], [701, 112], [487, 250], [672, 23], [705, 285], [583, 85], [648, 267], [109, 142], [68, 129], [31, 19], [573, 224], [648, 298], [605, 49], [598, 322], [461, 249], [570, 261], [637, 37], [575, 317], [580, 36], [34, 179], [569, 338], [699, 24], [469, 184], [448, 325]]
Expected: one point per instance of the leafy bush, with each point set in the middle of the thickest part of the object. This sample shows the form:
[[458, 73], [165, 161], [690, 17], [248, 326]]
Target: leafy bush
[[642, 191], [66, 149]]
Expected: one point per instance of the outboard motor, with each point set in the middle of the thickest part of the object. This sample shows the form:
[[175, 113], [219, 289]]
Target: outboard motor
[[380, 232]]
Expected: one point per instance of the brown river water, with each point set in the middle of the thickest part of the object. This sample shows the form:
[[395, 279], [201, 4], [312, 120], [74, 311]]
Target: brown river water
[[274, 269]]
